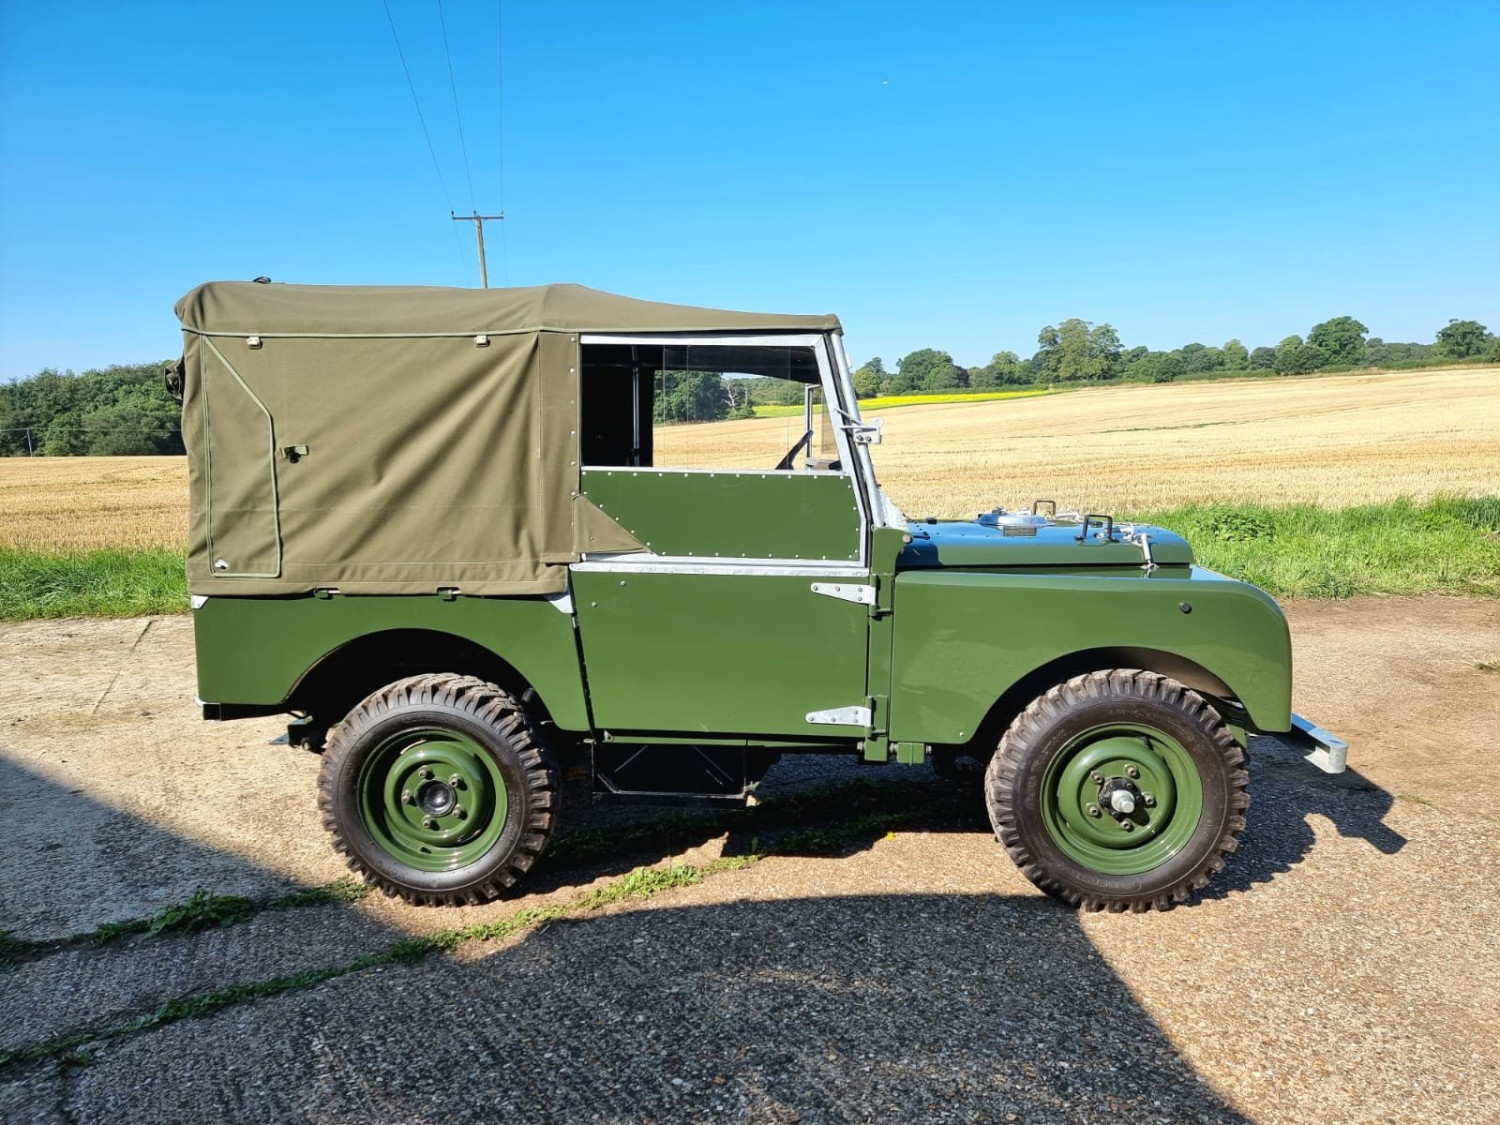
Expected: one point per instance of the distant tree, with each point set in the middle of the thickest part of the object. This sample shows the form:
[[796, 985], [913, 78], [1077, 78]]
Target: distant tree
[[1156, 367], [131, 425], [690, 396], [1197, 358], [946, 377], [65, 436], [1286, 353], [1381, 353], [897, 384], [1077, 350], [1493, 355], [868, 378], [1263, 359], [1460, 339], [930, 370], [1342, 339], [1293, 357], [740, 396], [1005, 369], [1236, 356]]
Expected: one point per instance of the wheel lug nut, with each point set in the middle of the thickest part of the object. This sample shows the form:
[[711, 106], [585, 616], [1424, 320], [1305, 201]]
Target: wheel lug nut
[[1132, 772], [428, 822], [425, 773], [454, 779], [407, 798], [1148, 800], [1098, 778], [461, 812], [1127, 825], [1093, 810]]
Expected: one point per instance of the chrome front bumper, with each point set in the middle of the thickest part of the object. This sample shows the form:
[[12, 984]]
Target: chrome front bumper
[[1327, 751]]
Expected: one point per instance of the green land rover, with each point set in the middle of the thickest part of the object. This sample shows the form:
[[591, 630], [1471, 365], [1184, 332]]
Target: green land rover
[[452, 534]]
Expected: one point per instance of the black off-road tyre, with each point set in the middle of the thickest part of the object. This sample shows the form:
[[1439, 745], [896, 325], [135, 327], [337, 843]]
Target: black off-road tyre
[[1031, 763], [385, 741]]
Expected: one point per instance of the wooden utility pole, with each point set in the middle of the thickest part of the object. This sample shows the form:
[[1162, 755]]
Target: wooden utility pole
[[479, 220]]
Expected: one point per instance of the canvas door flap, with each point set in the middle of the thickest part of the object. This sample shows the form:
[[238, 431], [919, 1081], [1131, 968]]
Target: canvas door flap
[[596, 533], [242, 524]]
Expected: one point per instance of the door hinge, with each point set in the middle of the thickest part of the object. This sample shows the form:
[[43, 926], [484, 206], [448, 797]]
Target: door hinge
[[846, 591], [841, 716]]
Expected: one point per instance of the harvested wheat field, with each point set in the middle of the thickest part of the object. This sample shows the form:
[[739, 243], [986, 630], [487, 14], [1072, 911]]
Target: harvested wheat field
[[1334, 441], [66, 503]]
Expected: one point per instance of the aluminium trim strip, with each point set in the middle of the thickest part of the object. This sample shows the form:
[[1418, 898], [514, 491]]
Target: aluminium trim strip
[[662, 564], [711, 338], [666, 472]]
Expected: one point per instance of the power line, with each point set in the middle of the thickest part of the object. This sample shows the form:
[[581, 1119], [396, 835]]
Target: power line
[[417, 105], [432, 152], [453, 85]]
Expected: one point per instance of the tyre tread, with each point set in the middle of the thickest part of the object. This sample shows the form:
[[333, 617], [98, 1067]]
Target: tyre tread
[[1001, 780], [487, 704]]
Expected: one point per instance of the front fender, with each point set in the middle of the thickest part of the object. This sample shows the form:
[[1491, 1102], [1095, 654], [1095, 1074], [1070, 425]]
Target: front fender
[[963, 638]]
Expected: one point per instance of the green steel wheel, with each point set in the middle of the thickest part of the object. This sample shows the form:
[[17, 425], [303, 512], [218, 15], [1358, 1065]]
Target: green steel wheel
[[438, 790], [1119, 790]]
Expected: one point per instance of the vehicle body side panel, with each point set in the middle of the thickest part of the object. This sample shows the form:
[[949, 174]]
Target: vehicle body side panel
[[964, 637], [732, 514], [725, 653], [256, 650]]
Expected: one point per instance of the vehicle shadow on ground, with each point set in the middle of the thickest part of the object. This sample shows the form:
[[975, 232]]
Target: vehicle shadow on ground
[[914, 1007], [1284, 792], [843, 808], [925, 1007]]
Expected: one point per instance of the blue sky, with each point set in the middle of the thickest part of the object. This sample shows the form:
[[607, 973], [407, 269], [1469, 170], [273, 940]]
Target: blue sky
[[946, 175]]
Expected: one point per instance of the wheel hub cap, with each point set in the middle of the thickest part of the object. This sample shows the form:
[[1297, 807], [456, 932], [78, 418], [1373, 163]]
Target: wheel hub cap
[[1146, 783], [433, 799], [437, 798]]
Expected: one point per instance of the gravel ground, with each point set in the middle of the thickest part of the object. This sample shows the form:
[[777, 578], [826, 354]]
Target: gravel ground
[[1333, 974]]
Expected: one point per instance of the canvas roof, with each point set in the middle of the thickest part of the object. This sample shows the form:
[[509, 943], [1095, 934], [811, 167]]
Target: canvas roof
[[242, 308]]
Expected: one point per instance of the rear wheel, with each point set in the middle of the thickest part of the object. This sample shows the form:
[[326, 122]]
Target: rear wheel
[[439, 790], [1118, 790]]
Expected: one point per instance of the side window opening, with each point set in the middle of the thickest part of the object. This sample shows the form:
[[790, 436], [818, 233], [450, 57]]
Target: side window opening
[[705, 406]]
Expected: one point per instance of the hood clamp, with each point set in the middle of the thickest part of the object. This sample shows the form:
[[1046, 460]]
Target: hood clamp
[[1142, 539]]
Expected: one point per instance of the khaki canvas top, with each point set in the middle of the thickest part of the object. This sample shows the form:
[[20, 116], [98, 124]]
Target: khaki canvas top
[[399, 440], [249, 308]]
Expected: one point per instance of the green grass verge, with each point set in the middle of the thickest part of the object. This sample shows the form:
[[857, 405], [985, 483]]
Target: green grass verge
[[1449, 545], [90, 583]]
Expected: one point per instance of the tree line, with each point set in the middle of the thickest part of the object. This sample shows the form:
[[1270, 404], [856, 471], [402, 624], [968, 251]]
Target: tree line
[[1077, 351], [117, 410], [125, 409]]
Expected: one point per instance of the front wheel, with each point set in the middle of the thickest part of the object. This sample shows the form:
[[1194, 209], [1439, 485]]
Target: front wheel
[[1118, 790], [438, 789]]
